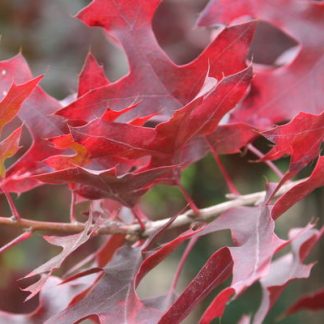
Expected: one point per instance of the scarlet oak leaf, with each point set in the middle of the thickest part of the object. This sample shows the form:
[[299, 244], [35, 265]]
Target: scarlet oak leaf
[[166, 144], [279, 94], [38, 109], [310, 302], [153, 258], [217, 269], [201, 118], [230, 138], [108, 153], [252, 231], [255, 243], [69, 244], [8, 148], [126, 188], [217, 307], [287, 268], [36, 112], [107, 250], [60, 162], [92, 76], [301, 190], [154, 81], [113, 299], [301, 138], [13, 100], [49, 303]]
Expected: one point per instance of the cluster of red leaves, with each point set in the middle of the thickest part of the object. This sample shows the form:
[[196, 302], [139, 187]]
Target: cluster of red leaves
[[117, 139]]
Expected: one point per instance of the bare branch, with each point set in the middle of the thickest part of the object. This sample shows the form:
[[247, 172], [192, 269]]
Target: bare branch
[[205, 214]]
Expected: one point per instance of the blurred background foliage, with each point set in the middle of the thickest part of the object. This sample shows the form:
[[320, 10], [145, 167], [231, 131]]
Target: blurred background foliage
[[56, 44]]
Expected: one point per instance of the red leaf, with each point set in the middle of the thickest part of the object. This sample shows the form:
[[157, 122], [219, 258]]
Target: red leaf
[[287, 268], [202, 118], [105, 184], [167, 142], [13, 100], [301, 138], [69, 244], [53, 298], [8, 148], [229, 139], [92, 76], [311, 302], [113, 299], [217, 307], [37, 110], [36, 113], [217, 269], [278, 94], [106, 252], [155, 82], [108, 143], [157, 87], [153, 258], [252, 230], [255, 243], [301, 190]]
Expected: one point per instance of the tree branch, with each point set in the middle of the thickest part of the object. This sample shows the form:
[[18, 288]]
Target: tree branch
[[112, 227]]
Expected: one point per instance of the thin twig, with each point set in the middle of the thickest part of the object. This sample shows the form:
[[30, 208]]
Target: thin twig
[[229, 182], [12, 205], [72, 207], [22, 237], [181, 264], [270, 164], [188, 199], [186, 218]]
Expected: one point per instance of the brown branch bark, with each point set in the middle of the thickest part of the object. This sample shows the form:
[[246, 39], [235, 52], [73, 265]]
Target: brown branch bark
[[205, 214]]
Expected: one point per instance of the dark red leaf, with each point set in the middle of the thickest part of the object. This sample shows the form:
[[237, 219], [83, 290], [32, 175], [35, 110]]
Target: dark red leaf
[[53, 298], [286, 268], [113, 299], [229, 139], [217, 269], [14, 98], [38, 109], [154, 81], [69, 244], [92, 76], [278, 94], [301, 138], [106, 252], [217, 307], [8, 148], [36, 112], [301, 190], [311, 302], [253, 233], [168, 143], [105, 184]]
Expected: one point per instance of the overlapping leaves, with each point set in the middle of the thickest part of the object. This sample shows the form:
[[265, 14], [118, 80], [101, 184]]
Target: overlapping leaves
[[117, 139]]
